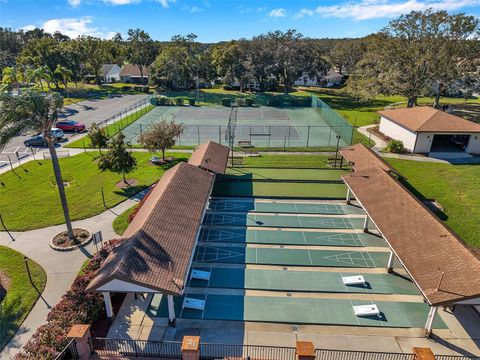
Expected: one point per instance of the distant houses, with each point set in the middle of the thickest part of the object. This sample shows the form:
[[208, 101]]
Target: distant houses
[[110, 73], [133, 74]]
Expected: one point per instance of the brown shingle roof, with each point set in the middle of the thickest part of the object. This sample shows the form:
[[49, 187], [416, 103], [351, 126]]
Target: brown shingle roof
[[133, 70], [157, 247], [428, 119], [424, 245], [210, 156], [363, 158]]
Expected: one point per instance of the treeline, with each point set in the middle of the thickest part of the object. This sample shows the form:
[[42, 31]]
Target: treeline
[[429, 53]]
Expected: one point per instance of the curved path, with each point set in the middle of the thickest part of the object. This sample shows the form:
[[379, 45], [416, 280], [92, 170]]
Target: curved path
[[61, 267]]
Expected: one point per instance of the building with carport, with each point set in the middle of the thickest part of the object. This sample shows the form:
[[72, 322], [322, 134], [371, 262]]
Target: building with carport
[[424, 129], [440, 264]]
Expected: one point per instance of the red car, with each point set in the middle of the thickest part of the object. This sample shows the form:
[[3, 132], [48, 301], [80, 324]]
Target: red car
[[70, 125]]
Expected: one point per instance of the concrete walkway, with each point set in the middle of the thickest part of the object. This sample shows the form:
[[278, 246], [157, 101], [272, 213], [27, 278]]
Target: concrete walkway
[[61, 267]]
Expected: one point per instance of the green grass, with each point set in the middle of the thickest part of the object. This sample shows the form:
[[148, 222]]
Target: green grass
[[21, 295], [120, 223], [455, 187], [287, 161], [30, 197], [112, 129]]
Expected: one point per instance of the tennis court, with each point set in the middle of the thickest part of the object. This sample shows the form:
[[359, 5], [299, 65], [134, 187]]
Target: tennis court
[[283, 174], [262, 126], [290, 237]]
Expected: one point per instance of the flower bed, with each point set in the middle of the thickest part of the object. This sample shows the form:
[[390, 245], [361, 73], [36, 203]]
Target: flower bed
[[75, 307]]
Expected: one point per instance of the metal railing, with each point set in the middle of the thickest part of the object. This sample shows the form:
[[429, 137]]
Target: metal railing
[[456, 357], [323, 354], [222, 351], [145, 348], [69, 352]]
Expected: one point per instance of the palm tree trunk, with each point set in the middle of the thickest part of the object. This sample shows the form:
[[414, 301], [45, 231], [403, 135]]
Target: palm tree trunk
[[61, 188]]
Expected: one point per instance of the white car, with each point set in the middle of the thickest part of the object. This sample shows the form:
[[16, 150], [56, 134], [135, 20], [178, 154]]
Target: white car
[[58, 133]]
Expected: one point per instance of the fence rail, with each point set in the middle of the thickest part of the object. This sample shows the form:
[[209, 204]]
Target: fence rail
[[69, 352], [145, 348], [222, 351], [323, 354]]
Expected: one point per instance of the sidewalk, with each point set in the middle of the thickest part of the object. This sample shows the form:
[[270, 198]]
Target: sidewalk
[[61, 267]]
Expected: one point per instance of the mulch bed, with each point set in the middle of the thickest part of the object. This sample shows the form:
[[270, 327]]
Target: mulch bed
[[101, 327], [130, 183], [62, 240]]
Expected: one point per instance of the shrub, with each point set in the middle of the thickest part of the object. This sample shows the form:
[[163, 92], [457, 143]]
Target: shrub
[[240, 101], [154, 101], [75, 307], [146, 89], [163, 101], [226, 102], [126, 88], [395, 146], [179, 101], [227, 87], [249, 102], [191, 102]]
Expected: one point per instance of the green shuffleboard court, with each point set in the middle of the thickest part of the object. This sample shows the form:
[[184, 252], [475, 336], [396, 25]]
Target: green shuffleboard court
[[293, 310], [282, 221], [283, 174], [275, 206], [289, 257], [303, 281], [296, 237], [279, 189]]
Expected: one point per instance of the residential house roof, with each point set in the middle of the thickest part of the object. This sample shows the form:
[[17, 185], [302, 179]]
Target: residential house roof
[[428, 119], [133, 71], [157, 247], [211, 156], [106, 69]]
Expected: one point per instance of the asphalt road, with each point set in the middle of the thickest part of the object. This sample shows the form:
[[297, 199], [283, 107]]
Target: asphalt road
[[86, 112]]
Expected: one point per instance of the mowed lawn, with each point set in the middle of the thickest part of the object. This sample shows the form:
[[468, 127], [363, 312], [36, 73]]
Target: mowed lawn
[[21, 295], [30, 197], [455, 187]]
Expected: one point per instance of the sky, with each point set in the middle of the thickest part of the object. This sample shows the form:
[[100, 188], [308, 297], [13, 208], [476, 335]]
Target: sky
[[216, 20]]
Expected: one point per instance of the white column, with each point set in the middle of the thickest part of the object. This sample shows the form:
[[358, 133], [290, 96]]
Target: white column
[[348, 196], [108, 304], [430, 319], [390, 262], [365, 224], [171, 309]]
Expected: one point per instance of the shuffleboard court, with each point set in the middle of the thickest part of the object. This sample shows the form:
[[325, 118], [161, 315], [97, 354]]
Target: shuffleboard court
[[279, 190], [294, 310], [289, 257], [297, 237], [285, 174], [304, 281], [252, 205], [282, 221]]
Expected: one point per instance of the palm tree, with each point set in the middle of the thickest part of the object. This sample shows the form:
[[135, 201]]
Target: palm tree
[[10, 78], [43, 73], [35, 111], [65, 76]]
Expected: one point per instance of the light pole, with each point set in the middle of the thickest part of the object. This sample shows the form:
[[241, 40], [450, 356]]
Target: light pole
[[336, 151]]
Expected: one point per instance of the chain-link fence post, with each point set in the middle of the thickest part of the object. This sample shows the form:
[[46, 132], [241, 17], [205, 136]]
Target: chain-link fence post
[[308, 135]]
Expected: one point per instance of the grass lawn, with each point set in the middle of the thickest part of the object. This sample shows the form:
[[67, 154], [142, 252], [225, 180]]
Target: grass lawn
[[287, 161], [112, 129], [120, 223], [30, 197], [455, 187], [21, 295], [286, 174]]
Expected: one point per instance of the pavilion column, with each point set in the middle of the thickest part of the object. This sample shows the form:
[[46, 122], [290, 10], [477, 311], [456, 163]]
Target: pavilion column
[[171, 310], [365, 224], [390, 262], [430, 319], [349, 196], [108, 304]]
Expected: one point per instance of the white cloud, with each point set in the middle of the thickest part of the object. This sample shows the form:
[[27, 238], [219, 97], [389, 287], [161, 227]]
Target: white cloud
[[192, 9], [374, 9], [120, 2], [73, 27], [165, 3], [277, 13], [74, 3], [28, 27]]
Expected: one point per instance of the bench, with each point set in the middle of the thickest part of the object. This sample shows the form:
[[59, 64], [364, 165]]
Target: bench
[[353, 280], [366, 310], [200, 275], [195, 304]]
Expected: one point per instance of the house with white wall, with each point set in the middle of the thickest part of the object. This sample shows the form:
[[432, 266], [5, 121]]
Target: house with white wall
[[424, 129], [110, 73], [331, 78]]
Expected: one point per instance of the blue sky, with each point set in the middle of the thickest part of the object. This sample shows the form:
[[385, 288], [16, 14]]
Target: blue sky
[[215, 20]]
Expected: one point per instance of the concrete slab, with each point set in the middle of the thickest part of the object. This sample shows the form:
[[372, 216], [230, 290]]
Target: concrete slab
[[374, 343], [268, 338]]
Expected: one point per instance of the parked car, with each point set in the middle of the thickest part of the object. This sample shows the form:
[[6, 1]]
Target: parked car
[[58, 133], [36, 140], [71, 125]]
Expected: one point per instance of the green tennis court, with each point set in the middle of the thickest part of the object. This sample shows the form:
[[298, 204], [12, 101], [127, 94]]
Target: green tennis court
[[279, 190], [289, 257], [297, 237], [282, 221], [298, 311], [283, 174], [304, 281], [272, 206]]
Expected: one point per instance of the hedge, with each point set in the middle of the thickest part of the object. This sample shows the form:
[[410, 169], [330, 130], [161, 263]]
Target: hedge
[[75, 307]]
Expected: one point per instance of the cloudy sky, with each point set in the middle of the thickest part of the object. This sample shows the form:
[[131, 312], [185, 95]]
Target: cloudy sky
[[215, 20]]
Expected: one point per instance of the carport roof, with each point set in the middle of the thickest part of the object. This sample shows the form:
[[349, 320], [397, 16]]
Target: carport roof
[[363, 158], [157, 247], [424, 245], [210, 156], [427, 119]]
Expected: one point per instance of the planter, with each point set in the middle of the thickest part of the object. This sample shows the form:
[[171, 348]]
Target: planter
[[61, 243]]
